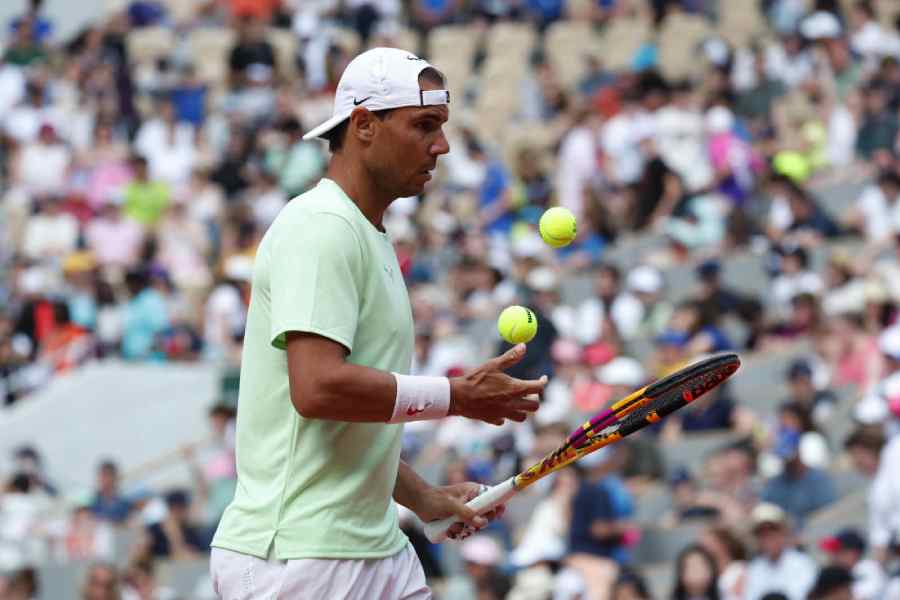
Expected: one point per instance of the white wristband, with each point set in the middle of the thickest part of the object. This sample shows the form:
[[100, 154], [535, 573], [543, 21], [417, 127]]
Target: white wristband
[[420, 398]]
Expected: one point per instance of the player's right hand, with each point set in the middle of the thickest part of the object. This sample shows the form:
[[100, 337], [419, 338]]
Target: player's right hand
[[490, 395]]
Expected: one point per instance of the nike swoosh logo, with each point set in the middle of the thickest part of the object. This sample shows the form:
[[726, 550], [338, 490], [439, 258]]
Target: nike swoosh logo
[[358, 102], [414, 411], [411, 57]]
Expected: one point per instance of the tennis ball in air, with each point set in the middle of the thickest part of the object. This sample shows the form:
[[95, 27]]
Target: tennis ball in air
[[517, 324], [558, 226]]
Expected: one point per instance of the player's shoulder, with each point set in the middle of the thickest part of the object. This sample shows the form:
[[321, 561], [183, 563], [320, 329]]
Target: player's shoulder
[[325, 205]]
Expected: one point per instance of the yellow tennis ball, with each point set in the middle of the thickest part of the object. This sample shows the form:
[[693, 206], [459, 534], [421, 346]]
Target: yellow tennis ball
[[558, 227], [517, 324]]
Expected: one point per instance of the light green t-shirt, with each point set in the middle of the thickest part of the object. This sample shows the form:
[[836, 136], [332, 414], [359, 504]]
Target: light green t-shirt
[[312, 488]]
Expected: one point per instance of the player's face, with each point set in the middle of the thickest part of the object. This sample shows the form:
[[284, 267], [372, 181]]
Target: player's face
[[410, 142]]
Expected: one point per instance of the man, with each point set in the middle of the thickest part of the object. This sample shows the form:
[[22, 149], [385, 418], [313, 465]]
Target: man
[[108, 503], [833, 583], [777, 567], [800, 489], [328, 341], [847, 550], [878, 459]]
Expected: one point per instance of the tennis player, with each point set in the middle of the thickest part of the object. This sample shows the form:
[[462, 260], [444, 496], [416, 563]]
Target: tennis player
[[324, 391]]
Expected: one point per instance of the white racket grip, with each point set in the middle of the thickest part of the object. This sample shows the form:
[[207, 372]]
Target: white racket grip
[[436, 531]]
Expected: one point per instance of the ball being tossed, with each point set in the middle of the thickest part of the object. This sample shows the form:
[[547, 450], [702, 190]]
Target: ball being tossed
[[558, 226], [517, 324]]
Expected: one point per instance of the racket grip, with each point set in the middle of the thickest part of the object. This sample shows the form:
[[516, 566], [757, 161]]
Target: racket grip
[[436, 531]]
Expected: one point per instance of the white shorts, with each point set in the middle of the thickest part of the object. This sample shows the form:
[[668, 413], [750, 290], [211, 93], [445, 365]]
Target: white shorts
[[239, 576]]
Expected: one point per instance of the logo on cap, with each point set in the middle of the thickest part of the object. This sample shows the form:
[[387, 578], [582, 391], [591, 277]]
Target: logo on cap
[[411, 57], [358, 102]]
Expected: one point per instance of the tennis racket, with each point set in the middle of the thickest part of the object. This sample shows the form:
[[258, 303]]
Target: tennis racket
[[632, 413]]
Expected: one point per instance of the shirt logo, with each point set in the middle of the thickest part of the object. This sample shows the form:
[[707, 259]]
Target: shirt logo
[[358, 102]]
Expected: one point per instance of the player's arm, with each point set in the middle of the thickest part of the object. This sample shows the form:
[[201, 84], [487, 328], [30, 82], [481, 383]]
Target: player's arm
[[324, 385], [429, 502]]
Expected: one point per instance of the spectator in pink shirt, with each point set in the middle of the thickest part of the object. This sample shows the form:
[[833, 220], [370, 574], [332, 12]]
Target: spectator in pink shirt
[[115, 240]]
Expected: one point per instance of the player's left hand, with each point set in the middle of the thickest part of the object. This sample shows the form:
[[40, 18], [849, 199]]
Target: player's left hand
[[448, 500]]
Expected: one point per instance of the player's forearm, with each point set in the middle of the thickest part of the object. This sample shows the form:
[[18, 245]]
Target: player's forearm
[[409, 487], [347, 392]]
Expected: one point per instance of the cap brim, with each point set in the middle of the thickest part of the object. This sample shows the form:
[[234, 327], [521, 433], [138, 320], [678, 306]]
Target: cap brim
[[325, 127]]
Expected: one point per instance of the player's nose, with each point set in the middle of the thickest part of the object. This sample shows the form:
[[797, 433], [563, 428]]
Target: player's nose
[[440, 145]]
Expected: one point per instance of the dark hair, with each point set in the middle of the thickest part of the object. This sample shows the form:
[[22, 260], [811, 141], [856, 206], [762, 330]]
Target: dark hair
[[628, 576], [20, 483], [337, 135], [109, 466], [867, 438], [889, 178], [737, 550], [712, 590], [802, 413], [866, 7]]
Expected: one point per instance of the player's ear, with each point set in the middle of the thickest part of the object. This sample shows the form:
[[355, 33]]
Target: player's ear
[[363, 125]]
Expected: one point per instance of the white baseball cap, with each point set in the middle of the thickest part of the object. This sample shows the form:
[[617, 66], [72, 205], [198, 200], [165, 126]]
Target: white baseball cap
[[380, 79]]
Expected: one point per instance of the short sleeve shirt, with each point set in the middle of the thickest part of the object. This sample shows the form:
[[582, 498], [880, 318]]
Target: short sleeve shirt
[[314, 488]]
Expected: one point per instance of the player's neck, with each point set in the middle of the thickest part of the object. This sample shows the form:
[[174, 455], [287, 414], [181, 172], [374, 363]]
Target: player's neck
[[360, 188]]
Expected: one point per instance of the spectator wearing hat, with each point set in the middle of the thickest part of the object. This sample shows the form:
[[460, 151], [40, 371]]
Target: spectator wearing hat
[[801, 487], [847, 550], [647, 285], [778, 567], [833, 583], [802, 391], [688, 501], [879, 459], [721, 300]]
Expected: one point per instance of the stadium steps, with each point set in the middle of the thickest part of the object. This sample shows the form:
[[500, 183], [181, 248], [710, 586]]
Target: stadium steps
[[133, 413]]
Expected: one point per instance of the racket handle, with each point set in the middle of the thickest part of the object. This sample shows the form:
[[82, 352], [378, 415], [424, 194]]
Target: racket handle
[[436, 531]]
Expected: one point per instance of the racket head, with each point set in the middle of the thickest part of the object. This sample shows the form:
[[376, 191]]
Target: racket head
[[636, 411]]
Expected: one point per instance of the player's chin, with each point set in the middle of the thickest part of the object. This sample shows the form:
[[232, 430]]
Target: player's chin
[[417, 183]]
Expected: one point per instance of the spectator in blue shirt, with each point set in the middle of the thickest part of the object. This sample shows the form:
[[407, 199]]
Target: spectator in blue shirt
[[108, 503], [41, 28], [146, 316], [596, 528], [800, 490]]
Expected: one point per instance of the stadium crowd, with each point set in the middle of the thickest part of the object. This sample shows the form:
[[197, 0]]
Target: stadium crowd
[[140, 169]]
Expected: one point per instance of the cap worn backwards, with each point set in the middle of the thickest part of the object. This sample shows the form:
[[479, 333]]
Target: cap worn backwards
[[380, 79]]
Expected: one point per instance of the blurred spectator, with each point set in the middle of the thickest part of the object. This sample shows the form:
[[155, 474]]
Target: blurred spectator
[[876, 213], [778, 567], [113, 239], [629, 585], [109, 503], [696, 575], [802, 392], [878, 130], [801, 488], [29, 461], [597, 528], [215, 479], [730, 555], [145, 318], [251, 51], [688, 502], [833, 583], [101, 583], [145, 199], [41, 165], [140, 583], [26, 48], [878, 459], [847, 549], [482, 557], [21, 585], [177, 535], [21, 511]]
